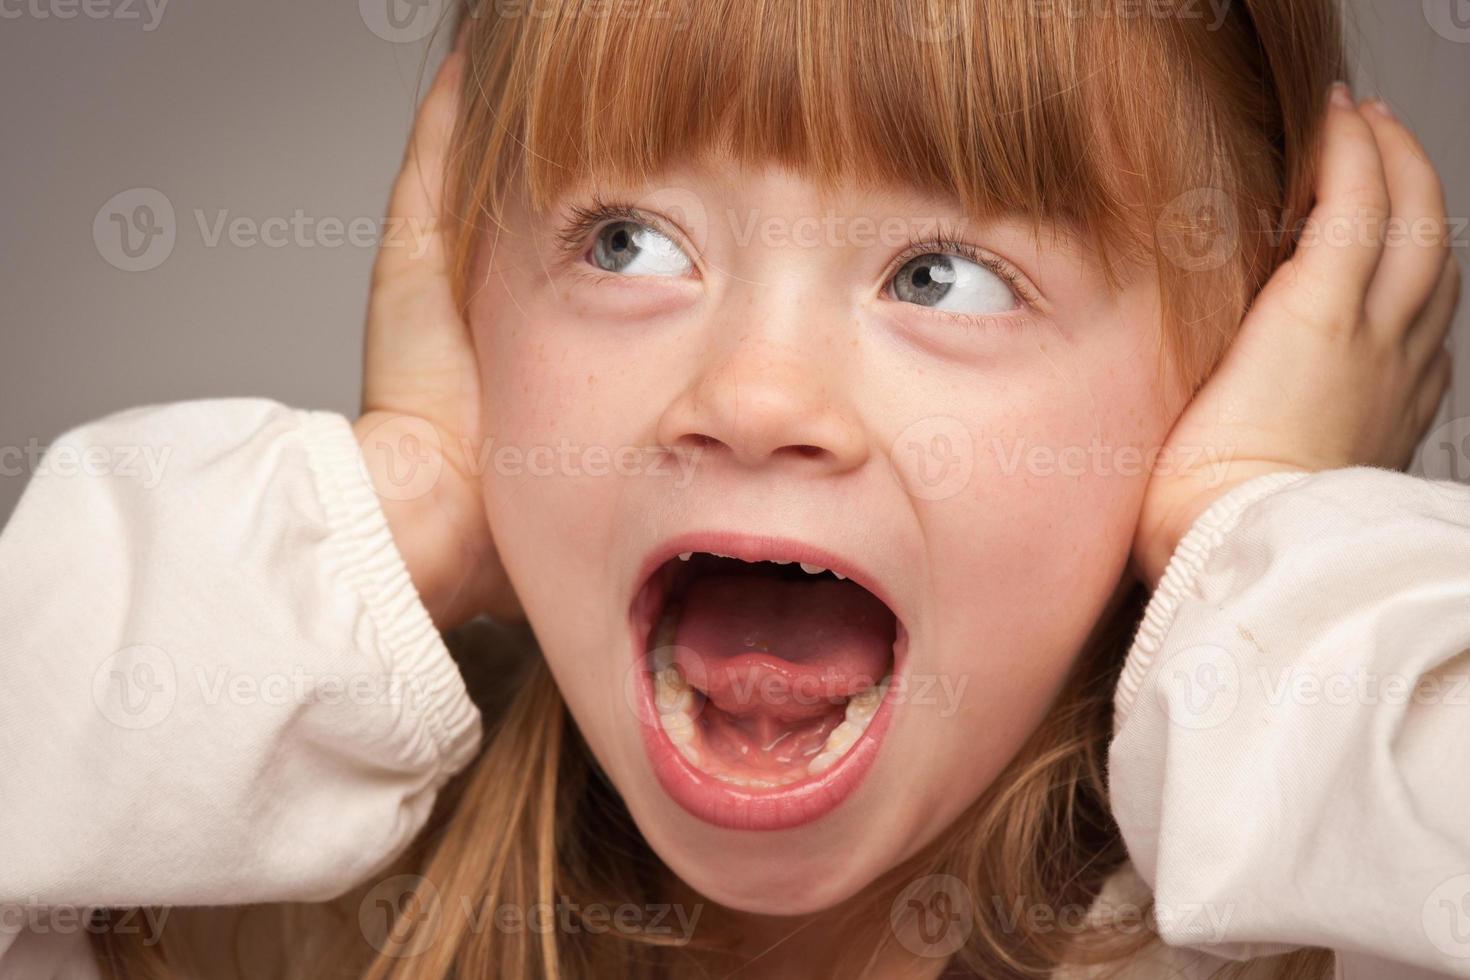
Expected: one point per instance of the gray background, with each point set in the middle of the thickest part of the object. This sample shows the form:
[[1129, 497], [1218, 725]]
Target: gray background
[[266, 108]]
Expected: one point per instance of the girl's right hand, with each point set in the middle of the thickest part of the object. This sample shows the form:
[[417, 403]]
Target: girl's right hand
[[420, 429]]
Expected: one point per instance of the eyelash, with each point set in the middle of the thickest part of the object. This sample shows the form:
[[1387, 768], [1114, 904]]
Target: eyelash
[[582, 222], [944, 244]]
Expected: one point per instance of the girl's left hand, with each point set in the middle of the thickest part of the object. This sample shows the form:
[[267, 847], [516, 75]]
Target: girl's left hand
[[1341, 359]]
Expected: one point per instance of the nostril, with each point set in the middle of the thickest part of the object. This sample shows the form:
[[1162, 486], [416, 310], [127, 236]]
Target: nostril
[[697, 441], [809, 452]]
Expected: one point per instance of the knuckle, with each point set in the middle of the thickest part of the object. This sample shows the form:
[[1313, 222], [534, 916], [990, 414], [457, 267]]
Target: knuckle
[[1455, 279], [1433, 185], [1365, 197]]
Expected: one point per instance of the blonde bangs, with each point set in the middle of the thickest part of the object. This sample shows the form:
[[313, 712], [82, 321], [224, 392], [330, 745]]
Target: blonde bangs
[[1006, 107], [1092, 117]]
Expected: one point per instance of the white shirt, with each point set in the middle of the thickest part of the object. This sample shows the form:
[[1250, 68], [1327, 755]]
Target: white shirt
[[218, 686]]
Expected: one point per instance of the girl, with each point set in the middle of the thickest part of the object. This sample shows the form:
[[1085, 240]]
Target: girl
[[837, 389]]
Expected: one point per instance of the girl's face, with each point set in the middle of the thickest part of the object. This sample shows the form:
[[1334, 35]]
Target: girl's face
[[733, 362]]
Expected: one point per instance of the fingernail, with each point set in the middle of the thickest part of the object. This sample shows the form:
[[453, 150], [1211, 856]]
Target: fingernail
[[1342, 96], [1383, 107]]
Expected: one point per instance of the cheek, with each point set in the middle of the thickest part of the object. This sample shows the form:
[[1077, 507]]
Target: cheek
[[1026, 558], [549, 463], [557, 468]]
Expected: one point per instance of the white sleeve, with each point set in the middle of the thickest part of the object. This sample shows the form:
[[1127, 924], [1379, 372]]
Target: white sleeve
[[1291, 760], [217, 683]]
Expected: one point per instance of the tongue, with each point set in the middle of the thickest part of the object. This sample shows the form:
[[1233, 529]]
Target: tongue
[[781, 651]]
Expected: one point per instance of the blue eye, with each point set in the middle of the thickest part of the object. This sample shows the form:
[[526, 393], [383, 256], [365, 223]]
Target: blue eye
[[952, 283], [634, 249]]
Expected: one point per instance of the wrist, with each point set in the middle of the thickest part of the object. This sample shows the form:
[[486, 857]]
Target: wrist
[[435, 518], [1159, 535], [1153, 549]]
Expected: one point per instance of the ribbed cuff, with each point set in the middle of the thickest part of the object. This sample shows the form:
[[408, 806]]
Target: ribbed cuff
[[1178, 581], [367, 561]]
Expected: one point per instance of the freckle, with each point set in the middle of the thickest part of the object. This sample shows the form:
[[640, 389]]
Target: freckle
[[591, 380]]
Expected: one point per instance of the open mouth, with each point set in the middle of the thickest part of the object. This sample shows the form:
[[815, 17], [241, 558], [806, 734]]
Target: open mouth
[[765, 680]]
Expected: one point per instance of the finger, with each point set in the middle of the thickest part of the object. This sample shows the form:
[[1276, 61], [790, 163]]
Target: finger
[[1432, 389], [414, 209], [462, 37], [1432, 325], [1416, 244], [417, 349], [1336, 260]]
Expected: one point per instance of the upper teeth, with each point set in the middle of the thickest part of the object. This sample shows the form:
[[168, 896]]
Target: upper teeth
[[807, 567]]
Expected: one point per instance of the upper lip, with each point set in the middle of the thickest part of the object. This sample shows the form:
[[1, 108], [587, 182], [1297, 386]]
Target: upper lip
[[763, 547]]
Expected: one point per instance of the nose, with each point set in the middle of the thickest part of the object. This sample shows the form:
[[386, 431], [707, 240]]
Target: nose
[[760, 401]]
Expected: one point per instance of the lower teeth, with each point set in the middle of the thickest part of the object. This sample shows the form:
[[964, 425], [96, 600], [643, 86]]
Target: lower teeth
[[676, 704], [675, 701]]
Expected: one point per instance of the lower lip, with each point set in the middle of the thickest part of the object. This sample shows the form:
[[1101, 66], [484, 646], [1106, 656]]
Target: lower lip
[[735, 808]]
